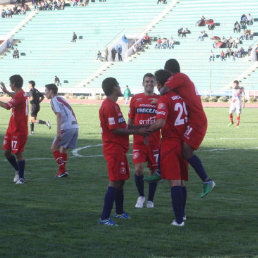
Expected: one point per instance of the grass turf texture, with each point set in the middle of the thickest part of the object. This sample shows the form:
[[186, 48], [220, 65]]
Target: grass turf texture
[[48, 217]]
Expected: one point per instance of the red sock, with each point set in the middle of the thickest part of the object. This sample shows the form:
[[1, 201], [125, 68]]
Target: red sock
[[59, 161], [238, 120], [64, 156], [231, 119]]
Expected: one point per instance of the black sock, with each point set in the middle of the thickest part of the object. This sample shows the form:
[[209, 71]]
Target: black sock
[[32, 127], [41, 122], [13, 162]]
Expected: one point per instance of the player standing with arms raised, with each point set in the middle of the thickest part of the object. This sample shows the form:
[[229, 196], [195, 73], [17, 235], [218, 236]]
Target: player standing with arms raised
[[17, 132], [142, 112], [67, 128], [35, 98], [197, 124], [236, 105], [172, 120], [115, 137]]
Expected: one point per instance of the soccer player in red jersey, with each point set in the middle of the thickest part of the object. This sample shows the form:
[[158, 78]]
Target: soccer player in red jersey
[[17, 132], [172, 120], [197, 124], [115, 137], [143, 112]]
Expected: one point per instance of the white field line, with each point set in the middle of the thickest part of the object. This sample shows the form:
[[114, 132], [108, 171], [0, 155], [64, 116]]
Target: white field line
[[77, 155]]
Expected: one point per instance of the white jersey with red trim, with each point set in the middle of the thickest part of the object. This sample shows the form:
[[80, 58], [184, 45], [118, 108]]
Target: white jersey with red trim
[[237, 95], [60, 105]]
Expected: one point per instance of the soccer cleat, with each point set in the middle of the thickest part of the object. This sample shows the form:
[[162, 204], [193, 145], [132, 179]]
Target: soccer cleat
[[174, 223], [48, 125], [107, 222], [20, 181], [150, 204], [62, 174], [16, 177], [154, 178], [207, 187], [122, 216], [140, 202], [32, 132]]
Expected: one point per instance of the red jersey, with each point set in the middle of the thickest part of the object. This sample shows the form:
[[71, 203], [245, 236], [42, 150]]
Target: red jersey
[[19, 119], [111, 118], [144, 113], [184, 87], [172, 108]]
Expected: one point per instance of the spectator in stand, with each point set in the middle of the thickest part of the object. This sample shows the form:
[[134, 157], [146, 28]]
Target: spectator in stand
[[3, 13], [202, 35], [146, 39], [119, 53], [75, 2], [171, 42], [222, 56], [249, 50], [158, 44], [256, 49], [113, 54], [211, 25], [236, 42], [180, 31], [16, 53], [9, 44], [106, 54], [165, 43], [230, 42], [228, 53], [162, 1], [57, 81], [74, 37], [99, 56], [242, 52], [212, 56], [250, 19], [243, 19], [236, 27], [9, 13], [185, 31]]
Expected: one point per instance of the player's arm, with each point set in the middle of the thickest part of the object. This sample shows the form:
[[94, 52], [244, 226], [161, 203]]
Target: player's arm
[[159, 123], [164, 90], [127, 131], [130, 122], [41, 98], [3, 105], [58, 128], [11, 94]]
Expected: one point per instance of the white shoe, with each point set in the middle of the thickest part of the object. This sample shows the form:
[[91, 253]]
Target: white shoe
[[184, 218], [20, 181], [150, 204], [174, 223], [48, 125], [140, 202], [16, 177]]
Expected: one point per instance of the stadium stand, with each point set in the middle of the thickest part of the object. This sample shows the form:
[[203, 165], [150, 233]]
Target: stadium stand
[[46, 43]]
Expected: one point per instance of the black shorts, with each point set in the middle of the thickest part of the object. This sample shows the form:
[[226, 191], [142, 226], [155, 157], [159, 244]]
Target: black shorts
[[34, 109]]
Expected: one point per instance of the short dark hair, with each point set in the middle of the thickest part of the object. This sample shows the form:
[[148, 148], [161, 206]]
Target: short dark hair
[[162, 76], [236, 81], [172, 66], [17, 80], [32, 83], [148, 75], [108, 85], [52, 87]]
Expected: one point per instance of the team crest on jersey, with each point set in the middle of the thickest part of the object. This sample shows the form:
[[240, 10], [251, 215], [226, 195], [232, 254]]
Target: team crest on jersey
[[122, 169], [139, 99], [111, 121], [161, 106], [136, 155]]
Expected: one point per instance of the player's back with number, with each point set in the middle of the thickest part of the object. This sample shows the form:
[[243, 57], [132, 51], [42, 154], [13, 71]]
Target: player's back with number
[[172, 108]]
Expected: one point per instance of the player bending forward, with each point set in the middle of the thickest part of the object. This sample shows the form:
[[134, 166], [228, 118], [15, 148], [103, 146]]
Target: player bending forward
[[142, 112], [197, 123], [67, 128], [115, 137], [236, 106], [17, 132], [172, 119]]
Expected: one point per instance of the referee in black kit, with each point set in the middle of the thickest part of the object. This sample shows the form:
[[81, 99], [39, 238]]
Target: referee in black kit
[[35, 97]]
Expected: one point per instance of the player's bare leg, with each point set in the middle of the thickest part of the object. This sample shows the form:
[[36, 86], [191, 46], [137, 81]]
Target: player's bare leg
[[195, 162], [178, 198]]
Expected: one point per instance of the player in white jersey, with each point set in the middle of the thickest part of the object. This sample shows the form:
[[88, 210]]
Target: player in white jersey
[[67, 128], [236, 105]]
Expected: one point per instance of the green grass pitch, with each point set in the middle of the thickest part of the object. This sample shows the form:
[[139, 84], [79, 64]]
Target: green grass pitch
[[48, 217]]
